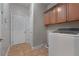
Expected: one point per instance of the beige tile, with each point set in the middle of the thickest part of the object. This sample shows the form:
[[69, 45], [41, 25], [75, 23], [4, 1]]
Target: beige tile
[[25, 49]]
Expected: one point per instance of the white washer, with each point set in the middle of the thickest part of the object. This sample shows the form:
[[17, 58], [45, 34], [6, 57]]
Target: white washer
[[61, 44]]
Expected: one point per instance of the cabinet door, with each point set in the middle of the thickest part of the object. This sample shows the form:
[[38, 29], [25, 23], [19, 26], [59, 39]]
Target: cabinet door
[[61, 13], [53, 16], [47, 17], [73, 11]]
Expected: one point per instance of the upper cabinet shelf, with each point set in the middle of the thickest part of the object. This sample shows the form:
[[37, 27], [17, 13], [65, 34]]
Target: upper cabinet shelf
[[62, 13]]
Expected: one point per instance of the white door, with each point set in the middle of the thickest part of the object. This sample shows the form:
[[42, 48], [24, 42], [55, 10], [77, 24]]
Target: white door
[[18, 28], [27, 30]]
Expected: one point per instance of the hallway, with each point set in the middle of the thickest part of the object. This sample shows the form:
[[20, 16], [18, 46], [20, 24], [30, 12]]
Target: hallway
[[22, 23], [25, 49]]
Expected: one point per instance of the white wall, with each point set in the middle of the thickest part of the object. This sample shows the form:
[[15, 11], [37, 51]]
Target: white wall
[[39, 34], [74, 24], [30, 28], [0, 18], [5, 28], [0, 27]]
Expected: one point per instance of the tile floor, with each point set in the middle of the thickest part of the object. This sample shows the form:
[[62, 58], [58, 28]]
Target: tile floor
[[25, 49]]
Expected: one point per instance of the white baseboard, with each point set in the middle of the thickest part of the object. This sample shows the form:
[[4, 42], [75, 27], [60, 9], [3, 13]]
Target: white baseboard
[[40, 46], [36, 47], [6, 54]]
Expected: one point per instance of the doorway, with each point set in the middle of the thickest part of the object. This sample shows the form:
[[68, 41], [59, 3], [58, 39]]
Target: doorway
[[19, 18]]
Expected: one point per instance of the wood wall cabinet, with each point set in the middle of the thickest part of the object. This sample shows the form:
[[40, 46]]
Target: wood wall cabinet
[[53, 16], [46, 18], [61, 13], [73, 11]]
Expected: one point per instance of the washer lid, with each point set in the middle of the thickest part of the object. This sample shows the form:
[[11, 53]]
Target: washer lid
[[67, 30]]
